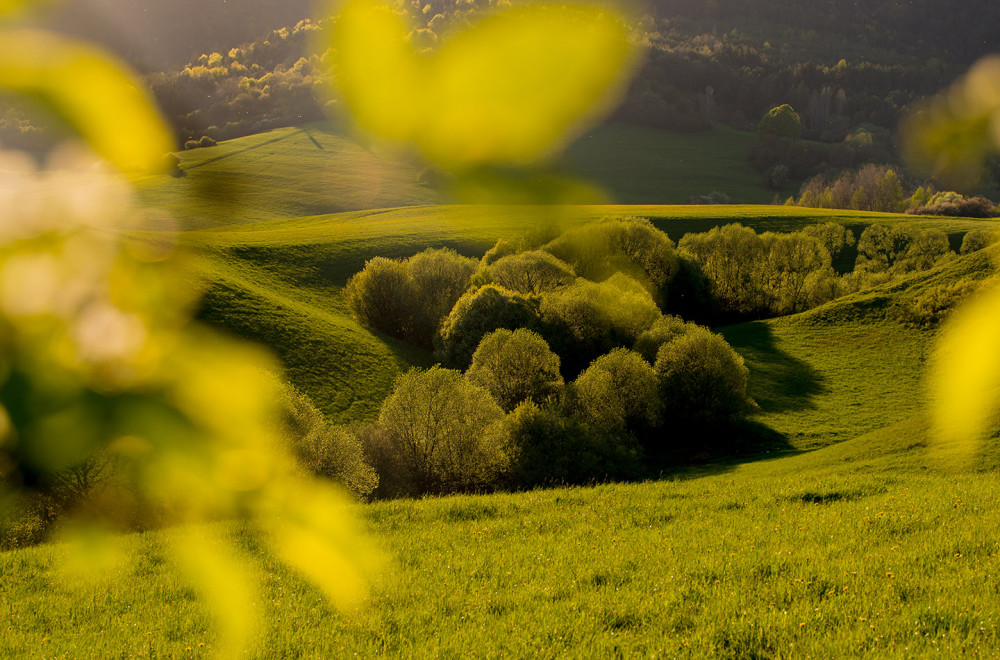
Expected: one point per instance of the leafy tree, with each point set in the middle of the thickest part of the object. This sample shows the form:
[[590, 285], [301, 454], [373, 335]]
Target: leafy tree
[[515, 366], [445, 430], [476, 314], [629, 245], [702, 379], [439, 277], [531, 272], [586, 319], [663, 331], [618, 393], [380, 297], [549, 448], [833, 236], [781, 121]]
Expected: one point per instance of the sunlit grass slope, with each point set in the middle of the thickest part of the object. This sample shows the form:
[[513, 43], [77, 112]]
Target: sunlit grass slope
[[283, 173], [819, 377], [862, 549], [319, 168]]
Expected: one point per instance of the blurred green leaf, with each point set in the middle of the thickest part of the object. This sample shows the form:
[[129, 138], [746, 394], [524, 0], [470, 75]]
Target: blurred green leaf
[[510, 89], [94, 93]]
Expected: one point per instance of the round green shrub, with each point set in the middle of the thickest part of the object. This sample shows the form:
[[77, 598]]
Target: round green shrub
[[446, 431], [515, 366], [476, 314]]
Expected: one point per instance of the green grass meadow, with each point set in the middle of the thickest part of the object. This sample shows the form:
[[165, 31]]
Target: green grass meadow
[[852, 537]]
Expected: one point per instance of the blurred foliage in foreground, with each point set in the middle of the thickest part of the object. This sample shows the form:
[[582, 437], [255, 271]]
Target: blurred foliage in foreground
[[953, 136], [109, 392]]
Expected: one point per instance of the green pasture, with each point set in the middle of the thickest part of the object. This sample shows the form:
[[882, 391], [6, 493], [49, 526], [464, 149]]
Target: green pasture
[[865, 548]]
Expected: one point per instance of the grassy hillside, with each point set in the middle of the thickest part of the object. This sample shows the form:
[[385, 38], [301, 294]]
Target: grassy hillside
[[866, 546], [860, 549], [279, 282], [318, 169], [284, 173]]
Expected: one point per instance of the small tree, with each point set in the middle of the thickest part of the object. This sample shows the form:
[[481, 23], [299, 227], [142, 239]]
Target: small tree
[[439, 278], [476, 314], [549, 448], [976, 240], [663, 331], [834, 236], [445, 431], [629, 245], [618, 393], [702, 379], [781, 121], [324, 449], [380, 297], [531, 272], [514, 367]]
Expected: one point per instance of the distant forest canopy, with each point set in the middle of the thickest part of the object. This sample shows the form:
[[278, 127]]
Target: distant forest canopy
[[846, 71], [153, 35], [959, 32]]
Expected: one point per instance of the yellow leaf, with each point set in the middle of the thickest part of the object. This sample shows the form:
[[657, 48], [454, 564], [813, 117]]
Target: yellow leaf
[[965, 376], [510, 89], [226, 582], [94, 93], [311, 529]]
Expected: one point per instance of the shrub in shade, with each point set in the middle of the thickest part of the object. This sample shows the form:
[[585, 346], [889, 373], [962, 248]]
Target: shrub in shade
[[515, 366], [439, 277], [976, 240], [446, 431], [548, 448], [476, 314], [663, 331], [702, 379], [531, 272], [618, 393]]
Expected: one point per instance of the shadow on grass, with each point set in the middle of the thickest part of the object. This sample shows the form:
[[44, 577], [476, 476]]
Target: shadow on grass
[[778, 380]]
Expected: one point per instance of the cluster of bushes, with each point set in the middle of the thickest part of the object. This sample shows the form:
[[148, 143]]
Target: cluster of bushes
[[954, 204], [771, 274], [511, 421], [880, 188], [205, 141], [565, 361]]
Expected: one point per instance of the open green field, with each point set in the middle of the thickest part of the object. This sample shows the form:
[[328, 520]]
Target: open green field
[[641, 165], [859, 549]]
